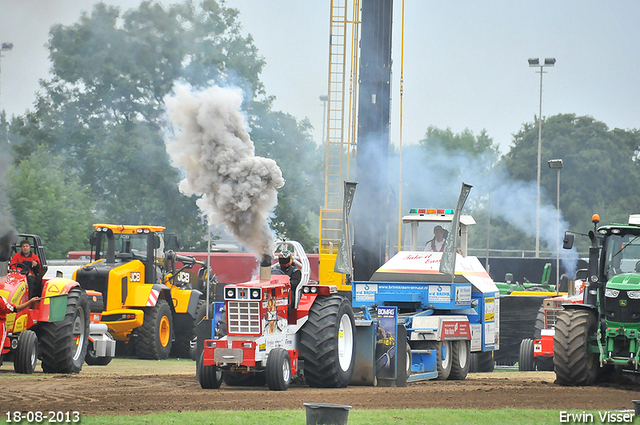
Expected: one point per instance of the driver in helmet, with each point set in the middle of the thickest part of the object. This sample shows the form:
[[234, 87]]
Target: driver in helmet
[[32, 263], [285, 266]]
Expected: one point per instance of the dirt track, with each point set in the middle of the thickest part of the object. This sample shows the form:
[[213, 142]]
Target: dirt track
[[124, 386]]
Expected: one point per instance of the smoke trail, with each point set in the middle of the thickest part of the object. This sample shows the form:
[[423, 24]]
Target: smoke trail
[[213, 148], [436, 184], [8, 234]]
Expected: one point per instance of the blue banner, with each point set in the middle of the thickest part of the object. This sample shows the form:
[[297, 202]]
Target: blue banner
[[386, 359]]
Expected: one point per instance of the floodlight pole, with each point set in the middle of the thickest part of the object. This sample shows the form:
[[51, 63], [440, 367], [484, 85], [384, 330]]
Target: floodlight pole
[[535, 62]]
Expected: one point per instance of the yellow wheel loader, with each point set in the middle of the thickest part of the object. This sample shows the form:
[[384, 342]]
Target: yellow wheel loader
[[149, 304]]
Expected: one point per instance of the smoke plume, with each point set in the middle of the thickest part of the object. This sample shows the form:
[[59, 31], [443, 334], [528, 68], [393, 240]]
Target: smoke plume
[[211, 145], [8, 234], [436, 184]]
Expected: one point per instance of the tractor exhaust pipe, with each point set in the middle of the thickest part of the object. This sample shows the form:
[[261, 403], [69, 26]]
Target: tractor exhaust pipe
[[8, 239], [265, 269]]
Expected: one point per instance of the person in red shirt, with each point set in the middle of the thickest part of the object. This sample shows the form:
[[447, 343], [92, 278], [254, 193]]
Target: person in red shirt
[[32, 262], [5, 308]]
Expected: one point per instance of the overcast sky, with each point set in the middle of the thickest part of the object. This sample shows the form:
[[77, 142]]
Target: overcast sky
[[465, 61]]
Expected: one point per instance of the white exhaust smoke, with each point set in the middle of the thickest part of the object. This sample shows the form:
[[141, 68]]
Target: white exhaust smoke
[[212, 146]]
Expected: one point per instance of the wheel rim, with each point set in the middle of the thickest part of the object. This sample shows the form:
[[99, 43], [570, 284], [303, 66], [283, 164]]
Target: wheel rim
[[78, 333], [34, 358], [164, 331], [345, 342], [463, 354], [286, 371], [446, 354]]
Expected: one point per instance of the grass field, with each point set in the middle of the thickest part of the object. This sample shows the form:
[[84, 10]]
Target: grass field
[[356, 417]]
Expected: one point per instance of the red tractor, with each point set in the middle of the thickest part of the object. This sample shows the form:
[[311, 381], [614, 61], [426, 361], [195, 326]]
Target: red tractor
[[537, 353], [267, 334], [55, 329]]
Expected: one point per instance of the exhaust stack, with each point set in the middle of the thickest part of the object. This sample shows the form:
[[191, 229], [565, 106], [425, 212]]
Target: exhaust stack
[[8, 239], [265, 269]]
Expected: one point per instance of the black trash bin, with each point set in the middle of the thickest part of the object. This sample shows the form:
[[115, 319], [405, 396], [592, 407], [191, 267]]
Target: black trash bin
[[325, 414]]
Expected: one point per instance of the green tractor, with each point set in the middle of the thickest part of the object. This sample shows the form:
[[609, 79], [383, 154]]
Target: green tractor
[[601, 337]]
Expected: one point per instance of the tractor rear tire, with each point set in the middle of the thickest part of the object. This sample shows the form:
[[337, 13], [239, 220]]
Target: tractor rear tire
[[92, 360], [239, 379], [327, 343], [208, 376], [156, 333], [574, 363], [185, 327], [26, 355], [443, 357], [526, 361], [460, 359], [278, 369], [64, 344]]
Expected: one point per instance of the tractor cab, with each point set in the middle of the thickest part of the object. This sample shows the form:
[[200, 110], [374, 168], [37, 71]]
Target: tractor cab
[[37, 248], [118, 244]]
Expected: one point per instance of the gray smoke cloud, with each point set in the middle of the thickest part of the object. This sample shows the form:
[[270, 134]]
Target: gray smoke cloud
[[8, 234], [213, 148]]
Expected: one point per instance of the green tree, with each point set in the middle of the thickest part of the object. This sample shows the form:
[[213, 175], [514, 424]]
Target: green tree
[[103, 110], [600, 171], [51, 203]]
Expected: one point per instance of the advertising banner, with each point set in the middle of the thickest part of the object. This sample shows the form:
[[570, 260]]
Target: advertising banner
[[386, 359]]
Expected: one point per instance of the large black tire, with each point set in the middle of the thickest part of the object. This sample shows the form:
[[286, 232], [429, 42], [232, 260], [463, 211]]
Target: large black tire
[[185, 327], [574, 364], [460, 359], [92, 360], [208, 376], [26, 355], [238, 379], [278, 370], [327, 343], [156, 333], [64, 344], [443, 357], [525, 359]]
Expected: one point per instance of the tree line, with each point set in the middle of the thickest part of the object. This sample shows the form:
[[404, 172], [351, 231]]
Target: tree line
[[92, 149]]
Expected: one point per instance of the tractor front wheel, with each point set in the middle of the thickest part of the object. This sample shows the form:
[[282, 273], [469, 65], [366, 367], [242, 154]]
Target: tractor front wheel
[[156, 333], [210, 377], [460, 359], [278, 369], [525, 357], [92, 360], [443, 357], [64, 343], [327, 343], [27, 353], [574, 363]]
